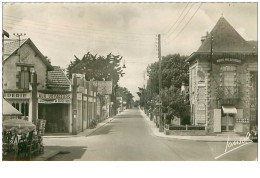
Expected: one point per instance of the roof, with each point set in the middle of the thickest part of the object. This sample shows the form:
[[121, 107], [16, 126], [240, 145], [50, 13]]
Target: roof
[[225, 40], [8, 109], [57, 78], [12, 47]]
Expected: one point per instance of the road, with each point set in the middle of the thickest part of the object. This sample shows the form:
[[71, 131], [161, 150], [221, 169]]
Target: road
[[129, 138]]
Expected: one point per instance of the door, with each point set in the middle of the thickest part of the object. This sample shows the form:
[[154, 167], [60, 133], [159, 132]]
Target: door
[[227, 123]]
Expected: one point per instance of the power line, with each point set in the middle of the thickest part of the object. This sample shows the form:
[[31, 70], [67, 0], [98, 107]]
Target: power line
[[52, 32], [102, 35], [178, 18], [188, 22], [65, 26], [180, 21]]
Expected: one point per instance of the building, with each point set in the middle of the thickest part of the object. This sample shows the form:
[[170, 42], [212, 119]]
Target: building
[[19, 67], [223, 81], [84, 103], [104, 92], [54, 102]]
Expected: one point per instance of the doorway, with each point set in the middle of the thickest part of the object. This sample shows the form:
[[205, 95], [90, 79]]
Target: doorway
[[227, 123]]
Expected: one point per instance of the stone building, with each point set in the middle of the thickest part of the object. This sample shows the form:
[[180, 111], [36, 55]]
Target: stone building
[[18, 66], [223, 81]]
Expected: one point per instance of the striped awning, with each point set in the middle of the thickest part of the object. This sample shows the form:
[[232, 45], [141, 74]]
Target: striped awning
[[229, 109]]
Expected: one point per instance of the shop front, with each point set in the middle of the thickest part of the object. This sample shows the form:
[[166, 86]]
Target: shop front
[[55, 109], [21, 102]]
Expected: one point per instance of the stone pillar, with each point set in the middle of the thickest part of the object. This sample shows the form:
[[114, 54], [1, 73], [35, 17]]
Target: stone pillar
[[34, 98], [74, 105]]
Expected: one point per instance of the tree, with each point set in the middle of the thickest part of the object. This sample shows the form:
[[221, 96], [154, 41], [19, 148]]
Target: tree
[[98, 68], [126, 95], [174, 73]]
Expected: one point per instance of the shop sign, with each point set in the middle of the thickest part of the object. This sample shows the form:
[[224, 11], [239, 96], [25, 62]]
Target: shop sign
[[54, 98], [16, 95], [225, 60], [54, 101]]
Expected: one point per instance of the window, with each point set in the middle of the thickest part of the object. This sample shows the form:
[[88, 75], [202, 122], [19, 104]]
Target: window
[[25, 77], [22, 106], [229, 79], [229, 74], [193, 79]]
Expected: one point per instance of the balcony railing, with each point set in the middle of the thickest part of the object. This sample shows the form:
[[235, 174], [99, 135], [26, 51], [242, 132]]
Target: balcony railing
[[227, 92]]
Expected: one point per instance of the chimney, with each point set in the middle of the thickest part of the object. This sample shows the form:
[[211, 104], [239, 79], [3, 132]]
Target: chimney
[[203, 38]]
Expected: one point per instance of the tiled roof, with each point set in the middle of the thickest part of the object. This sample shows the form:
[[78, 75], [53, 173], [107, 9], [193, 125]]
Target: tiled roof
[[57, 78], [225, 39], [10, 48]]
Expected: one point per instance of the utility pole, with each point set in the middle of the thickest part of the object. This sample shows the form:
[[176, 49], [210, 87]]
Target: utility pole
[[211, 51], [19, 39], [160, 81]]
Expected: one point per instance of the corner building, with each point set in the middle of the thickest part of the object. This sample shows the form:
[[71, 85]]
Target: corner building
[[223, 81]]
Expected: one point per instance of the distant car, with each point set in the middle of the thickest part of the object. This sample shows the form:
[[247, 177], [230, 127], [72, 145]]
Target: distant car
[[254, 134]]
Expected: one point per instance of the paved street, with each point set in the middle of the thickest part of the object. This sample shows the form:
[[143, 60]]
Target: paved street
[[129, 138]]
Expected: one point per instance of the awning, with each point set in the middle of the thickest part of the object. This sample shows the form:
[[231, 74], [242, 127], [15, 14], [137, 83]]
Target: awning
[[229, 109], [8, 109]]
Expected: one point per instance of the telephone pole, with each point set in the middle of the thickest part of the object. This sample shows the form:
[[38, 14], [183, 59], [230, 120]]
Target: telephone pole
[[160, 81], [19, 39]]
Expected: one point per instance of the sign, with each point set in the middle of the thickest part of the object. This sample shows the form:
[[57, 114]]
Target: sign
[[79, 96], [54, 101], [17, 95], [85, 98], [90, 99], [201, 113], [54, 98], [228, 60]]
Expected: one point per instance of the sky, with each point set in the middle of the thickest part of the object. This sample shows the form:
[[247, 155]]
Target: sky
[[62, 30]]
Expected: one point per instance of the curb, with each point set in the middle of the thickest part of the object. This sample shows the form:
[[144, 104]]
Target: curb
[[69, 136], [187, 139], [97, 128]]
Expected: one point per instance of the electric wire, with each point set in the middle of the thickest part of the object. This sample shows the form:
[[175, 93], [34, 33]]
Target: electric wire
[[169, 34], [187, 22], [177, 18]]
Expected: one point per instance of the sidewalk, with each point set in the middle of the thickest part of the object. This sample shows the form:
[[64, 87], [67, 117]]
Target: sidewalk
[[48, 153], [85, 133], [156, 132], [51, 152]]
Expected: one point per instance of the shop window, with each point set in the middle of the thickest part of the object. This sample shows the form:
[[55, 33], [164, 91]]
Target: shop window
[[22, 108], [17, 106]]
